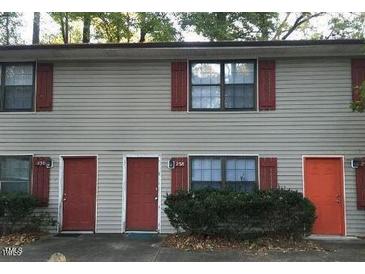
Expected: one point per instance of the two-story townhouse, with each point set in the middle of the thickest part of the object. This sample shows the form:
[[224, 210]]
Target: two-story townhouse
[[101, 132]]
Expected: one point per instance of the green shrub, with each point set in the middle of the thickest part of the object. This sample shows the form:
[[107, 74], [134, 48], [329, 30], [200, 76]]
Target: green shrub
[[241, 215], [17, 213]]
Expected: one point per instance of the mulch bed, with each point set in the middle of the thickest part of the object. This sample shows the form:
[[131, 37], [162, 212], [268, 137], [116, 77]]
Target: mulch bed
[[19, 239], [201, 243]]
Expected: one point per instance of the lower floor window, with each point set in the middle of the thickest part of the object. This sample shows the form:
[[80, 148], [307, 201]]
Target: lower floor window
[[15, 173], [237, 173]]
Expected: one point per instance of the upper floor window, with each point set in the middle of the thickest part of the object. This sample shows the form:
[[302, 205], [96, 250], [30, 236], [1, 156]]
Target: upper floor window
[[16, 87], [235, 173], [15, 173], [224, 85]]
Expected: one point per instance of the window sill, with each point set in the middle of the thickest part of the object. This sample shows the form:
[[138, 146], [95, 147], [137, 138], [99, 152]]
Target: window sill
[[223, 111], [17, 112]]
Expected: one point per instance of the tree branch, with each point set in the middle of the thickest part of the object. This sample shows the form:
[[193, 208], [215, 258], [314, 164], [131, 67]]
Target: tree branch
[[299, 21], [279, 30]]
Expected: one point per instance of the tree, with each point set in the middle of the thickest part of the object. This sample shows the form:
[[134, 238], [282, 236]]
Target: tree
[[114, 27], [63, 19], [218, 26], [69, 23], [284, 28], [36, 22], [9, 24], [155, 26], [346, 26], [86, 28], [86, 19]]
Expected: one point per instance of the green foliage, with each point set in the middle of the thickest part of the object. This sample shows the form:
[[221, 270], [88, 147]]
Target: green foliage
[[241, 215], [17, 212], [155, 26], [134, 27], [219, 26], [347, 26], [359, 105], [9, 24], [114, 27]]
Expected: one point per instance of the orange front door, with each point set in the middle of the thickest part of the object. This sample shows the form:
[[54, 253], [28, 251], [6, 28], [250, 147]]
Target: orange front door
[[323, 185]]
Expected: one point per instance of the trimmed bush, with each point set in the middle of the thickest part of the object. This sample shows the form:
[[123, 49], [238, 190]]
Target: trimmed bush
[[17, 213], [241, 215]]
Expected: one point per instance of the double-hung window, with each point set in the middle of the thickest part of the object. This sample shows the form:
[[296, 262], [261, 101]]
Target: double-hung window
[[16, 86], [15, 172], [223, 85], [237, 173]]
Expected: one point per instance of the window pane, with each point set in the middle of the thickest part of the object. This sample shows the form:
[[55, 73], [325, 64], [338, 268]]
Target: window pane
[[206, 164], [16, 186], [197, 164], [239, 96], [216, 175], [216, 164], [197, 175], [205, 73], [14, 173], [206, 173], [250, 175], [230, 175], [206, 97], [239, 73], [18, 97], [19, 75], [250, 164], [241, 170]]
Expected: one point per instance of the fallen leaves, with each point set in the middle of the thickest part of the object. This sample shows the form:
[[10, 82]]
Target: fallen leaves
[[261, 245], [19, 239]]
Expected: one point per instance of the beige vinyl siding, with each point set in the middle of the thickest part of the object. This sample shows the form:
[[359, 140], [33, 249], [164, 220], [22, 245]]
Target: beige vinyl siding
[[112, 109]]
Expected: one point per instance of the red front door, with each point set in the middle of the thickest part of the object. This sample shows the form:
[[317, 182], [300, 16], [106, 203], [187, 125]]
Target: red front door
[[79, 194], [323, 178], [142, 193]]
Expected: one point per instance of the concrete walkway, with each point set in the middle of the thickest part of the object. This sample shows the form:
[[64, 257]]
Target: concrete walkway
[[131, 248]]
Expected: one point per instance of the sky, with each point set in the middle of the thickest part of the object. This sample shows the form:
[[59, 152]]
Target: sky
[[49, 27]]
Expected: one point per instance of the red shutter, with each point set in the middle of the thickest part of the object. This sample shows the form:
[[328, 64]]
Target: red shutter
[[358, 76], [179, 86], [40, 183], [360, 187], [179, 175], [267, 82], [44, 87], [268, 173]]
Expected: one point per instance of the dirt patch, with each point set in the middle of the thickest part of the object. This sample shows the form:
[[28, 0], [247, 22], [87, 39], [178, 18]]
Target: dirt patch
[[201, 243], [19, 239]]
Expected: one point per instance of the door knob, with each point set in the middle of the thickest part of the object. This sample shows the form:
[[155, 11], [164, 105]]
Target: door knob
[[338, 200], [64, 197], [156, 198]]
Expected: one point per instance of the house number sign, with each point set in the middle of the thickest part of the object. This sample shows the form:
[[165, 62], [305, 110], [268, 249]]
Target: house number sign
[[179, 163], [41, 163], [46, 163], [172, 164]]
